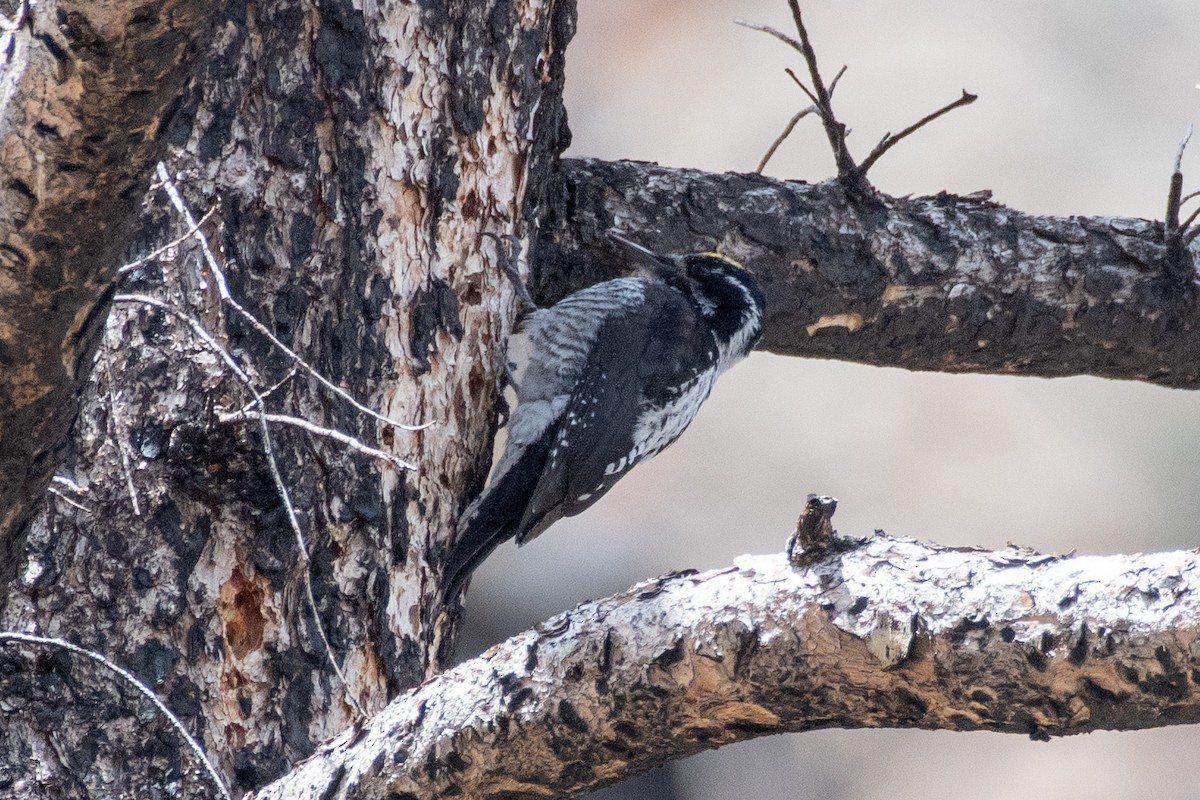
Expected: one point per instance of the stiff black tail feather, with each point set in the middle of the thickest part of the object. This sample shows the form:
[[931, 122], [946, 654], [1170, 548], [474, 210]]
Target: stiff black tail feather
[[497, 516]]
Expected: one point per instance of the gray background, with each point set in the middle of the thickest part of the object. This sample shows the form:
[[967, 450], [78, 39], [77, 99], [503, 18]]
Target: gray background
[[1082, 105]]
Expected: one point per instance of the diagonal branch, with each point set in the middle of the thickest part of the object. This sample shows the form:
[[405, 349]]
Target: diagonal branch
[[890, 140], [1037, 645]]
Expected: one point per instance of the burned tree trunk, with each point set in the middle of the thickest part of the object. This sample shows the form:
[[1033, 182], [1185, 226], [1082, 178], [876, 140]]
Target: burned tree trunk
[[352, 162]]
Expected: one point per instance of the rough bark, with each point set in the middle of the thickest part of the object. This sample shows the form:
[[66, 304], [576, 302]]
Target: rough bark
[[353, 158], [943, 283], [894, 634], [87, 92]]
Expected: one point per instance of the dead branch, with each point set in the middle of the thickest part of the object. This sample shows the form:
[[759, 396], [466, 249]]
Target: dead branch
[[851, 175], [919, 282], [1178, 235], [889, 140], [1037, 645]]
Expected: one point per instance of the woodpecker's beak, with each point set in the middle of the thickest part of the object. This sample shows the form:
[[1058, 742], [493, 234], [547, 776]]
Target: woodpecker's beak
[[647, 260]]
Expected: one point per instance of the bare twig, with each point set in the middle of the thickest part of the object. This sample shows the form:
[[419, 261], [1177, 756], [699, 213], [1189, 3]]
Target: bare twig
[[116, 428], [834, 130], [890, 140], [132, 265], [787, 131], [276, 477], [767, 29], [227, 297], [67, 500], [1177, 264], [852, 176], [317, 430], [270, 390], [804, 88], [801, 114], [141, 688]]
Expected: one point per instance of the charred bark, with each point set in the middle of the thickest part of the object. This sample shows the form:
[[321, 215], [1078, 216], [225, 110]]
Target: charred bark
[[943, 283], [353, 160], [89, 95]]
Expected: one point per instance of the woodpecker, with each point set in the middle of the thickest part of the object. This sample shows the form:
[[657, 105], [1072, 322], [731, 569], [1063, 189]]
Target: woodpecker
[[616, 372]]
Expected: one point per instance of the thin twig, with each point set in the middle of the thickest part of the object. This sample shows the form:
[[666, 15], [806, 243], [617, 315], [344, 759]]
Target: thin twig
[[890, 140], [223, 289], [780, 35], [1176, 236], [67, 500], [118, 429], [1187, 137], [787, 131], [1187, 223], [132, 265], [801, 114], [277, 477], [270, 390], [834, 130], [803, 88], [317, 430], [141, 688]]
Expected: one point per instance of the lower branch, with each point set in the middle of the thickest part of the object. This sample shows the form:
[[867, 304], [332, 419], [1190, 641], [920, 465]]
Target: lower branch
[[895, 633], [945, 283]]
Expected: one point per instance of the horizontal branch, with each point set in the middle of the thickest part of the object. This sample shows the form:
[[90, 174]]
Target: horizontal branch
[[895, 633], [945, 283]]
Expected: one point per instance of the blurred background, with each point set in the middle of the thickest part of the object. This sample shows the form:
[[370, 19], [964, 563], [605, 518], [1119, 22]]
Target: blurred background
[[1082, 106]]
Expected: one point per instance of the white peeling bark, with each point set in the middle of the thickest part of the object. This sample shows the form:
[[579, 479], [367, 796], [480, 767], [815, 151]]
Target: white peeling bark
[[896, 633]]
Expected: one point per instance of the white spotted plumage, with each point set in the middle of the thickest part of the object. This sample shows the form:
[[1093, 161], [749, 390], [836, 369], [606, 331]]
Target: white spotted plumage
[[616, 374]]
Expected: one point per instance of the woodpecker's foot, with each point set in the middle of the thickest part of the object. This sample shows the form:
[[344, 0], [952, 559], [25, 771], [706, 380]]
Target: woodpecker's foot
[[503, 412]]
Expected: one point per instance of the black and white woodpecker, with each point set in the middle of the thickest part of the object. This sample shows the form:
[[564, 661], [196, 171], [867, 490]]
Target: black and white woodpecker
[[616, 372]]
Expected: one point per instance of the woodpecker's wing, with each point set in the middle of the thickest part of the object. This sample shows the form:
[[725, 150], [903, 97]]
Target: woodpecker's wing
[[631, 376], [561, 339]]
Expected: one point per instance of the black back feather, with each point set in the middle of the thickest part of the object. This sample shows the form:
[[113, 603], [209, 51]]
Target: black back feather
[[496, 518]]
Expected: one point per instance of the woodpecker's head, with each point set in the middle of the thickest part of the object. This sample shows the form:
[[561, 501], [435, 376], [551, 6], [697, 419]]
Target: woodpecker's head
[[724, 293]]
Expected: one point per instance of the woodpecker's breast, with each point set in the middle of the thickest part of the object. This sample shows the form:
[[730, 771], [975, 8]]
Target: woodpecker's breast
[[659, 424]]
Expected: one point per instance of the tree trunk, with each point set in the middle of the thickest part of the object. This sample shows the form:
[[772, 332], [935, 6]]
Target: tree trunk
[[350, 177], [354, 161]]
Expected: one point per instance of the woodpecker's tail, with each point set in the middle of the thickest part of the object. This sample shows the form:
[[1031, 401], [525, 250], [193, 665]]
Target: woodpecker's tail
[[494, 518]]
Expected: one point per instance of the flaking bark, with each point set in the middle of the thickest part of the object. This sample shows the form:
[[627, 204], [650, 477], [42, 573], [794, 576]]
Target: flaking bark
[[897, 633], [353, 159], [943, 283], [87, 93]]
